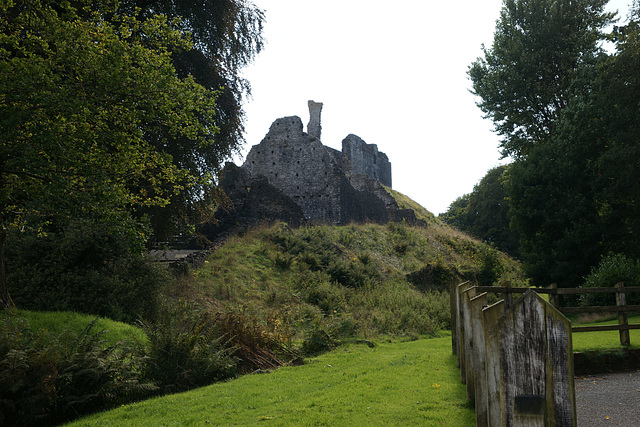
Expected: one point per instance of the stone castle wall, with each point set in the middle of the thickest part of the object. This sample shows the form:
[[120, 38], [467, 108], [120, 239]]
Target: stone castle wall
[[361, 158], [328, 185], [301, 167]]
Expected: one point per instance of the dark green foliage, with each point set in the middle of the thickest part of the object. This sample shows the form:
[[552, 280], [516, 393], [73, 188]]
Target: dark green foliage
[[434, 276], [326, 337], [490, 267], [612, 269], [227, 35], [568, 113], [523, 81], [84, 267], [484, 213], [47, 379], [312, 247], [187, 350]]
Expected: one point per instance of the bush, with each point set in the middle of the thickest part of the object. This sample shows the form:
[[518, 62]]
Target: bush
[[47, 379], [186, 350], [324, 337], [85, 268], [490, 268], [613, 268]]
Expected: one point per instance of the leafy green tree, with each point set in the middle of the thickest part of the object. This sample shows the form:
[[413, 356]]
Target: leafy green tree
[[484, 213], [524, 79], [226, 34], [82, 89], [576, 198]]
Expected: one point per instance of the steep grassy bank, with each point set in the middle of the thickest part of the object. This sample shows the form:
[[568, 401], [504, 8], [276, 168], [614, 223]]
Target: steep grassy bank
[[321, 283]]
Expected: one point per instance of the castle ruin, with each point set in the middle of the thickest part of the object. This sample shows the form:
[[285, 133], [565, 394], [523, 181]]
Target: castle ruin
[[298, 176]]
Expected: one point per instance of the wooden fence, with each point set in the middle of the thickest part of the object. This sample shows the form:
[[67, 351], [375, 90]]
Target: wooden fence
[[516, 358], [554, 292]]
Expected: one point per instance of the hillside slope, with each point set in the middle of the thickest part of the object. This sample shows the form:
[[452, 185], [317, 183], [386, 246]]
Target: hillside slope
[[322, 283]]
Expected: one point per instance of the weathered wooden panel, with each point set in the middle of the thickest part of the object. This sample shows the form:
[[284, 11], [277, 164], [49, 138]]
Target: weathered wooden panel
[[560, 374], [477, 303], [460, 329], [535, 364], [468, 340], [495, 404]]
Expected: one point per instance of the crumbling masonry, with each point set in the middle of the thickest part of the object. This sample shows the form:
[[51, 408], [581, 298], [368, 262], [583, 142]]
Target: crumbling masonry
[[296, 175]]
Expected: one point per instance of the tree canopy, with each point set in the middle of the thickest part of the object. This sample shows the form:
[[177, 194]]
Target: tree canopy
[[96, 119], [524, 80], [573, 189], [226, 34], [484, 213]]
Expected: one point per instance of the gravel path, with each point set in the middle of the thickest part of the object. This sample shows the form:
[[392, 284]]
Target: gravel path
[[608, 400]]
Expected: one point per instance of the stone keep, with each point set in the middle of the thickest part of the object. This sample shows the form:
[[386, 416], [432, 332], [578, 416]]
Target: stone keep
[[318, 178]]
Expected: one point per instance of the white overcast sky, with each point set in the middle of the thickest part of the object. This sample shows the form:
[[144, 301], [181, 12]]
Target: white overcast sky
[[392, 73]]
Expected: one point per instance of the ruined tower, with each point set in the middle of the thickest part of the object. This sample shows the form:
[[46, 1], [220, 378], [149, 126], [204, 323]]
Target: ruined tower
[[313, 128], [330, 186]]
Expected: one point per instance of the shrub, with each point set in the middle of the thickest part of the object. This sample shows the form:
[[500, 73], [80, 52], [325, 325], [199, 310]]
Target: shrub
[[186, 350], [323, 337], [84, 268], [490, 268], [47, 379], [612, 269]]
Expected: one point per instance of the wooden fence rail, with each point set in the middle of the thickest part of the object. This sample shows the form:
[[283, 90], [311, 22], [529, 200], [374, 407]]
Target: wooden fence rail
[[553, 291], [516, 359]]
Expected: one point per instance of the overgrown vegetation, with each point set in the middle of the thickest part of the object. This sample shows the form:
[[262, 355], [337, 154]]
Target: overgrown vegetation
[[324, 284], [48, 378], [82, 268], [567, 113], [613, 269], [264, 299]]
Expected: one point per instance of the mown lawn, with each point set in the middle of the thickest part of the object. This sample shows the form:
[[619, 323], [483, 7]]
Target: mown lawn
[[410, 383], [604, 340]]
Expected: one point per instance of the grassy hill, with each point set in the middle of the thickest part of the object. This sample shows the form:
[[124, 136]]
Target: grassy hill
[[267, 297], [321, 284]]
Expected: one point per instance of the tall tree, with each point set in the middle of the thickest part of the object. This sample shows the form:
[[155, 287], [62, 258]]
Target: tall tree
[[227, 35], [576, 198], [82, 88], [523, 80]]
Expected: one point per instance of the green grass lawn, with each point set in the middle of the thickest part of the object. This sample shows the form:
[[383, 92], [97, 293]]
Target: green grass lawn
[[604, 340], [56, 322], [410, 383]]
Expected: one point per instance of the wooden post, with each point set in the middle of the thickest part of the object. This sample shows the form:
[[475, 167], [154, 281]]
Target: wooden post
[[495, 405], [478, 303], [459, 327], [467, 322], [453, 302], [554, 300], [508, 297], [621, 301]]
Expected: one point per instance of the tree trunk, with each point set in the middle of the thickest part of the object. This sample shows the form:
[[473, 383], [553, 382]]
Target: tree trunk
[[5, 299]]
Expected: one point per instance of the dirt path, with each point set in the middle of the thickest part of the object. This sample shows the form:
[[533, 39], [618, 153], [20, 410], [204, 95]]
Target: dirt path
[[608, 400]]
